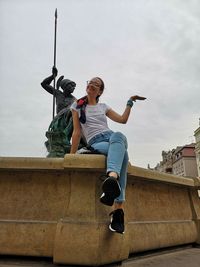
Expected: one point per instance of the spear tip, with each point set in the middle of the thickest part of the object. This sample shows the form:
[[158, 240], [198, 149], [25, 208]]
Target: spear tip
[[56, 13]]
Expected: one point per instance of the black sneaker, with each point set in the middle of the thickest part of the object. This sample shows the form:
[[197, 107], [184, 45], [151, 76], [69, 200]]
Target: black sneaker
[[111, 190], [117, 221]]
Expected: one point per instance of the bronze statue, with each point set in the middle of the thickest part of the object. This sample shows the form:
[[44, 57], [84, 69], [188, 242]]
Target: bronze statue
[[63, 99], [60, 129]]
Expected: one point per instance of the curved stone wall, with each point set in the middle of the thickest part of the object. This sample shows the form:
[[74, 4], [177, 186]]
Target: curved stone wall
[[50, 207]]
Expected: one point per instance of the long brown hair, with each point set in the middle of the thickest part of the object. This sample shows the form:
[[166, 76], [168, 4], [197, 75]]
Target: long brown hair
[[101, 87]]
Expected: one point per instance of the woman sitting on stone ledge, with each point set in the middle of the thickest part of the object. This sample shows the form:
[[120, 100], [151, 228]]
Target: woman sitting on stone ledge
[[89, 119]]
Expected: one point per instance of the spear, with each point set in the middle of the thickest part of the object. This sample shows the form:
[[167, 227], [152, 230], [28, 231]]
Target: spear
[[54, 62]]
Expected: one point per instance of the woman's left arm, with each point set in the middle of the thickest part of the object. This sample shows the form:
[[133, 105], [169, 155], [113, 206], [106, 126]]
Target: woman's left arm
[[124, 117]]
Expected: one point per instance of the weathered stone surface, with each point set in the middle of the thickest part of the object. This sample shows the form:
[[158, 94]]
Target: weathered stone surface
[[50, 207]]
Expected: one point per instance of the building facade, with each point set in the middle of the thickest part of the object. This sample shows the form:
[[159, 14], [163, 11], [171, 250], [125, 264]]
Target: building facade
[[180, 161], [166, 164], [184, 161], [197, 149]]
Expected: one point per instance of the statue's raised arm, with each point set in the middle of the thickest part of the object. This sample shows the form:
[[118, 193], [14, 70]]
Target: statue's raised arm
[[64, 97], [47, 81]]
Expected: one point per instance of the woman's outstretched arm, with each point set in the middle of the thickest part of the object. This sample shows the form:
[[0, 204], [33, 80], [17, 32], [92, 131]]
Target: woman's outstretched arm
[[124, 117]]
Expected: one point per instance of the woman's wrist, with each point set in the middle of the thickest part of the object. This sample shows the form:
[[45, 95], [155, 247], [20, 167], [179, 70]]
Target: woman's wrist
[[130, 103]]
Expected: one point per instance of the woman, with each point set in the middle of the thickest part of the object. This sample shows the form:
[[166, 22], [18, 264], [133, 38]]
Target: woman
[[89, 118]]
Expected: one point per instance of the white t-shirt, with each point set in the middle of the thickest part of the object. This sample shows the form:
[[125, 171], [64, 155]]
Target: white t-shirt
[[96, 120]]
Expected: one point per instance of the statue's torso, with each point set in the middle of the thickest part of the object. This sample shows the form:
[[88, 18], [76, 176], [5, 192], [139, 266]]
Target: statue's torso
[[62, 101]]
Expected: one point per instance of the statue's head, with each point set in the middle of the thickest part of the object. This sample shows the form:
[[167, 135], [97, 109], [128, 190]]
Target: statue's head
[[68, 86]]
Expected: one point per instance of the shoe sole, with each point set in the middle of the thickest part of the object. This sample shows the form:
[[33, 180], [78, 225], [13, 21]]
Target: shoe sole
[[113, 230], [111, 186], [106, 201]]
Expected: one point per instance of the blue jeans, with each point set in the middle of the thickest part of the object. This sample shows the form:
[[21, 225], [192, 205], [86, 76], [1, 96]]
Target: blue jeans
[[114, 146]]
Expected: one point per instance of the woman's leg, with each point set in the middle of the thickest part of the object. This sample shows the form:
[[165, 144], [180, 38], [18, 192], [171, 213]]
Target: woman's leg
[[110, 187], [117, 163], [117, 215], [116, 152], [101, 147], [122, 181], [117, 159]]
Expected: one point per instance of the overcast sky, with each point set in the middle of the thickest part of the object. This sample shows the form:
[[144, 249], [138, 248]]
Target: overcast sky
[[145, 47]]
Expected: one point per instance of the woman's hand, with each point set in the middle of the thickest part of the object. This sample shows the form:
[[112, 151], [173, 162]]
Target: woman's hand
[[137, 97]]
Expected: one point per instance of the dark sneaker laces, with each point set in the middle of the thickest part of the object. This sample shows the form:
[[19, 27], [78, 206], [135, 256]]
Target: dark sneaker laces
[[117, 221]]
